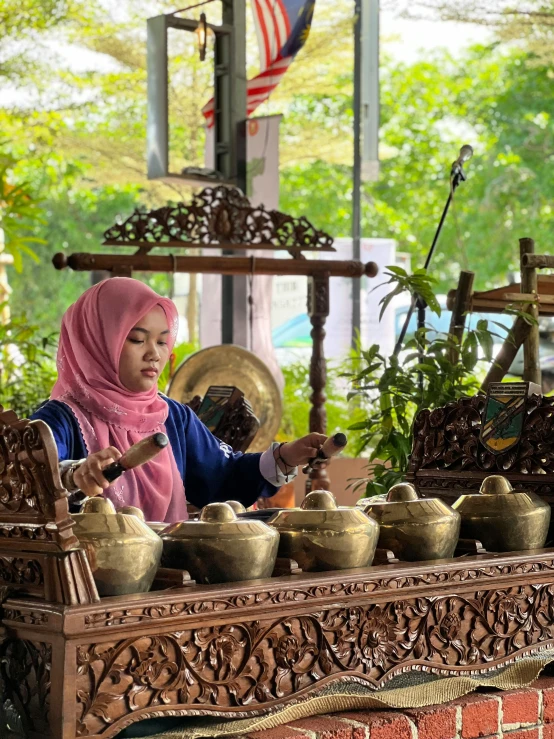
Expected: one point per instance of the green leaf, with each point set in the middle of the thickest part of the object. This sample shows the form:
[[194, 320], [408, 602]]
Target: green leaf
[[357, 426]]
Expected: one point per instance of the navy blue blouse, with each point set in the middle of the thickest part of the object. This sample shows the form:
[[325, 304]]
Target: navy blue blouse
[[211, 470]]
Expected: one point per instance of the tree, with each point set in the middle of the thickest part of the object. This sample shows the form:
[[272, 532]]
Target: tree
[[73, 221], [87, 132], [530, 21], [22, 24], [499, 101]]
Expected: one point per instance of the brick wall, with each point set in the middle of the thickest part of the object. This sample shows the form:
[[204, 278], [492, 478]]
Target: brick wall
[[516, 714]]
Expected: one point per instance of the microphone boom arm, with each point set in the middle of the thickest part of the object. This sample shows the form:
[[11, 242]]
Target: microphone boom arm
[[457, 175]]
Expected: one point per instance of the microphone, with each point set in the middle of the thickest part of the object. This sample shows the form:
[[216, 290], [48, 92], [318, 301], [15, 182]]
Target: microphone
[[466, 152]]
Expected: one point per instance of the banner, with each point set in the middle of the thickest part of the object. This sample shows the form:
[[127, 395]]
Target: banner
[[263, 188]]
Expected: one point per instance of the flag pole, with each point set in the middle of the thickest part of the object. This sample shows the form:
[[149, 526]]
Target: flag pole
[[357, 174], [366, 117]]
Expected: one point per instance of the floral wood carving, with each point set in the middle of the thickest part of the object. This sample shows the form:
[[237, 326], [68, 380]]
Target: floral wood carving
[[238, 427], [28, 616], [218, 216], [257, 664], [21, 571], [25, 677], [284, 595], [447, 440], [31, 492]]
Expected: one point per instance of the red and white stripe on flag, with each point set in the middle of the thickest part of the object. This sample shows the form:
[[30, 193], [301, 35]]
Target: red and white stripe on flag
[[273, 30]]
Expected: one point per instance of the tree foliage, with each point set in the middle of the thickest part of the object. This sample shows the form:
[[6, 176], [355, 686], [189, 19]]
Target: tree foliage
[[528, 22], [497, 100], [432, 370], [78, 134]]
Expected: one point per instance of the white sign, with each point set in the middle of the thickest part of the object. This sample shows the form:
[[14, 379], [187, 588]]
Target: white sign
[[289, 319]]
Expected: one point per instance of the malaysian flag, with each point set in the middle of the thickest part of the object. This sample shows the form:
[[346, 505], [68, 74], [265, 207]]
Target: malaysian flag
[[282, 27]]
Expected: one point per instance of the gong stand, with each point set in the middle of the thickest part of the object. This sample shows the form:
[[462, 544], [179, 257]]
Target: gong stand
[[223, 218]]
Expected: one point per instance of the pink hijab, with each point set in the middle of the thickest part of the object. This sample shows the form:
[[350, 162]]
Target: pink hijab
[[93, 332]]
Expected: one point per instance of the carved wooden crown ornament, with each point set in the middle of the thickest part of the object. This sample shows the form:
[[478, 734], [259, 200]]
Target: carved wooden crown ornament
[[73, 665], [218, 217]]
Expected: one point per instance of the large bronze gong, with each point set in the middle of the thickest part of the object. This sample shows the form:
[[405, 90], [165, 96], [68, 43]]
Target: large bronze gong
[[233, 365]]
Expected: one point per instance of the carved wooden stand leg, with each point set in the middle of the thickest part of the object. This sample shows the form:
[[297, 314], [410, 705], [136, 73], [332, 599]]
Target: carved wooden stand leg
[[318, 310]]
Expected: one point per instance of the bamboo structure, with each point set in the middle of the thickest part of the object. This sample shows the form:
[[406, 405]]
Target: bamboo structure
[[536, 296]]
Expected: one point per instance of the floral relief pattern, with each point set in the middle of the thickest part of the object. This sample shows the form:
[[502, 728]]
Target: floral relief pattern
[[281, 594], [218, 215], [447, 438], [258, 663], [33, 506], [25, 678], [21, 571], [23, 472]]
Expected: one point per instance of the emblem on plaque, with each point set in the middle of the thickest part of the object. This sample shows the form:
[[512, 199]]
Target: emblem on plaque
[[504, 414]]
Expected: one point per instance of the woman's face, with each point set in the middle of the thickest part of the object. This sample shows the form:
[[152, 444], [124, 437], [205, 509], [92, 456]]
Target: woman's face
[[145, 352]]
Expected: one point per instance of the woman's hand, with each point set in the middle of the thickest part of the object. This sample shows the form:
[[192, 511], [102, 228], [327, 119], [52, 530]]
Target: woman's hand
[[299, 452], [88, 477]]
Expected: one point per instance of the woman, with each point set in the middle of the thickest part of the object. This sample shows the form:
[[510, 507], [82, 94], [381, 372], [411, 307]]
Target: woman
[[115, 341]]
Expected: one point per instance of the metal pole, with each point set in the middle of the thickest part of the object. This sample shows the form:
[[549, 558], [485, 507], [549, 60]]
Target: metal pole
[[356, 179], [456, 177], [234, 292], [370, 90], [157, 128]]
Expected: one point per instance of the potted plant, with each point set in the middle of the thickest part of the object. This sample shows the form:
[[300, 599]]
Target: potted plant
[[393, 389]]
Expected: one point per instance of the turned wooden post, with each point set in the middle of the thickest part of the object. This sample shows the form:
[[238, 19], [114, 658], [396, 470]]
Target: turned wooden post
[[460, 308], [531, 357], [318, 310]]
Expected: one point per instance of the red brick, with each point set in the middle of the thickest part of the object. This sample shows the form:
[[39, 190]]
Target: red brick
[[479, 716], [520, 707], [547, 705], [434, 722], [279, 732], [522, 734], [542, 683], [327, 727], [382, 724], [547, 731]]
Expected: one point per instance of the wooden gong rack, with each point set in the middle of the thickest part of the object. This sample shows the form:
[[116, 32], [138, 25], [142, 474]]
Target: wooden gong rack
[[73, 665], [222, 217]]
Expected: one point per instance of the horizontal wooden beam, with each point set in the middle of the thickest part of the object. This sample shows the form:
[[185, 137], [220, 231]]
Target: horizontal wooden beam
[[530, 298], [537, 261], [86, 262], [482, 305], [147, 246]]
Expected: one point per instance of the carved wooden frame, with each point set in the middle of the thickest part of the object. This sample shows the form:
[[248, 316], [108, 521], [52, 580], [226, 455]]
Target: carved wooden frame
[[218, 217], [39, 553], [74, 666], [248, 648], [448, 459]]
